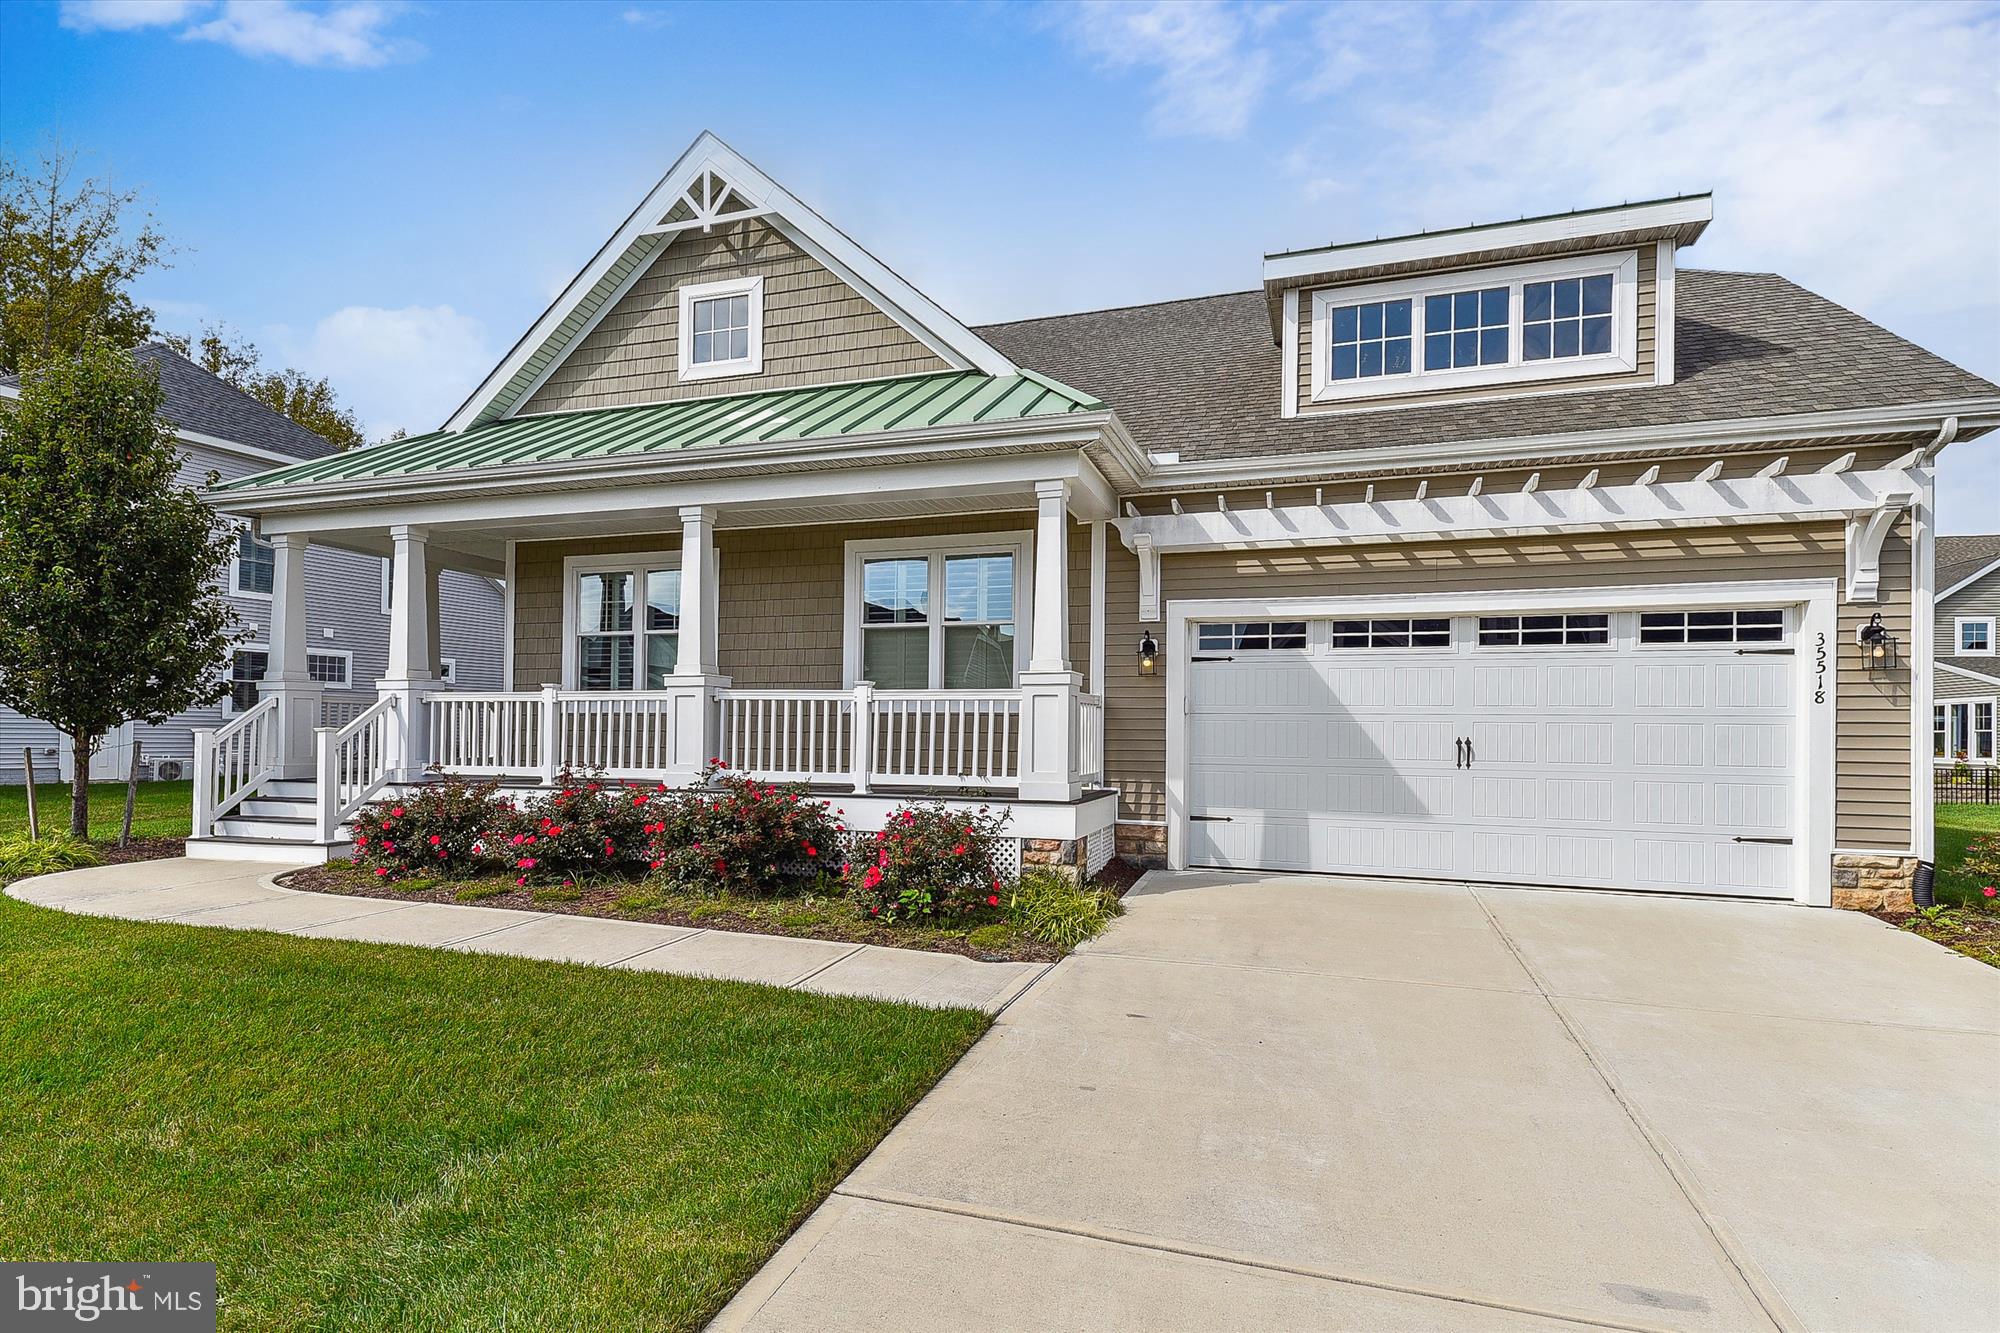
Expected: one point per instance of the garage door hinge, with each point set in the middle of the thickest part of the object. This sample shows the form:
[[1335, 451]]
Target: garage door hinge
[[1764, 652], [1781, 842], [1211, 819], [1211, 659]]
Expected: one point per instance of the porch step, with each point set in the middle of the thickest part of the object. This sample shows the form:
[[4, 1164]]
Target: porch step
[[288, 807], [290, 789], [278, 851]]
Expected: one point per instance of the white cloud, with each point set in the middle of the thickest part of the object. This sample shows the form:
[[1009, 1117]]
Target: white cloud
[[1210, 71], [126, 15], [646, 18], [405, 368], [350, 35]]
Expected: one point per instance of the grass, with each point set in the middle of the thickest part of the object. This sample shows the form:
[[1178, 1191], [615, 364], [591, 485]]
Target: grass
[[372, 1136], [163, 809], [1958, 825]]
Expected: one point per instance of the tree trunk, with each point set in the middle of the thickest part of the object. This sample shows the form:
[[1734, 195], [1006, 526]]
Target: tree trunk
[[79, 785]]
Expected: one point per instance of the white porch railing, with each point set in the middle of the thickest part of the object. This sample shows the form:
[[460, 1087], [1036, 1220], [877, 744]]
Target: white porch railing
[[354, 762], [233, 760], [864, 737], [1090, 738]]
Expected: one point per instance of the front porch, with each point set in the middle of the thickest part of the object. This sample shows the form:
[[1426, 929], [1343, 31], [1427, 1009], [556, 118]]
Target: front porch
[[624, 656]]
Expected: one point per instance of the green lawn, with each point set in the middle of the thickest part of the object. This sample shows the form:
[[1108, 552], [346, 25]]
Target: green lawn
[[163, 810], [366, 1136], [1958, 825]]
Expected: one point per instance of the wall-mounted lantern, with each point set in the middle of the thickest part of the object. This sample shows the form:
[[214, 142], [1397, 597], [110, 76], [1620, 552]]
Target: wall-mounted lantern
[[1878, 645], [1149, 656]]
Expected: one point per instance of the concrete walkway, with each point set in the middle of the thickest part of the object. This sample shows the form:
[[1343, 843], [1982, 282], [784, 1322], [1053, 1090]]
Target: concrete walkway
[[1287, 1102], [242, 895]]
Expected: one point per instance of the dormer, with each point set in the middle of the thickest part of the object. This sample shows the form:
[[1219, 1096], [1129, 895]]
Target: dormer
[[1569, 301]]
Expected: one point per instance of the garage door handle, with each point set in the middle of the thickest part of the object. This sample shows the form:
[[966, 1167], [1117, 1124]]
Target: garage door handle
[[1212, 819], [1780, 842], [1460, 743]]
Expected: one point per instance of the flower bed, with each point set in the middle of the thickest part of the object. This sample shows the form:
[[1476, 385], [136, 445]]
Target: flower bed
[[728, 852]]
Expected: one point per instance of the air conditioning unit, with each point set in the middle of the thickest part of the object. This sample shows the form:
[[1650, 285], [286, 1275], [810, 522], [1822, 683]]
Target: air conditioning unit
[[169, 770]]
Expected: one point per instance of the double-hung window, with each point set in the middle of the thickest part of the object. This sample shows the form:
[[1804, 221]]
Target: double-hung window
[[255, 567], [937, 615], [246, 669], [1963, 729], [624, 624], [1546, 319], [721, 328]]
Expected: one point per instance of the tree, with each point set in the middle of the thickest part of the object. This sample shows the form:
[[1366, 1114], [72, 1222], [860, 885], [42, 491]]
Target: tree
[[109, 567], [292, 393], [69, 251]]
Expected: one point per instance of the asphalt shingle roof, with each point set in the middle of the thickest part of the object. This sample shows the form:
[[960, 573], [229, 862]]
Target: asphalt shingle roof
[[1959, 558], [1200, 376], [207, 404]]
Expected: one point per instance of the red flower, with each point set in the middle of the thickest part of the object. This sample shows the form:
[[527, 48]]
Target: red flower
[[518, 839], [361, 842], [875, 911], [435, 840], [388, 846], [958, 850], [521, 880], [381, 870], [658, 864], [992, 900], [1989, 890], [811, 850], [872, 878], [525, 863], [720, 867]]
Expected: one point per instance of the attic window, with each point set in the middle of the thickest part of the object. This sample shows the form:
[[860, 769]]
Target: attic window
[[722, 328], [1547, 319]]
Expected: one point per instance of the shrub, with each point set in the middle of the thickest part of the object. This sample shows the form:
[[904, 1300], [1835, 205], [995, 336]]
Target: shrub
[[440, 826], [736, 835], [21, 856], [930, 861], [586, 826], [1982, 857], [1050, 908]]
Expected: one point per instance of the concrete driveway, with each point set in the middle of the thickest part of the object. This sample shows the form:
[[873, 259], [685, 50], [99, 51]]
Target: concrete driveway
[[1285, 1102]]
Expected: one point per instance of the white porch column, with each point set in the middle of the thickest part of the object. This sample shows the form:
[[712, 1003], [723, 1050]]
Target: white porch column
[[693, 734], [411, 654], [1048, 687], [286, 678]]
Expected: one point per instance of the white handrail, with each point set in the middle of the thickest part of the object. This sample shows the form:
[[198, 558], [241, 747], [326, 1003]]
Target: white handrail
[[232, 761], [946, 738], [788, 735], [486, 733], [618, 733], [354, 763]]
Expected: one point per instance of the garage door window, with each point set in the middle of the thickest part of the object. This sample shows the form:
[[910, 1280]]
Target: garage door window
[[1537, 631], [1741, 626], [1391, 633], [1262, 634]]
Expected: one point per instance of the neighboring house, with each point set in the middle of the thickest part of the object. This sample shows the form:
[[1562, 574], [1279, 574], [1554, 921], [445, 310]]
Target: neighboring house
[[227, 432], [1967, 684], [1518, 553]]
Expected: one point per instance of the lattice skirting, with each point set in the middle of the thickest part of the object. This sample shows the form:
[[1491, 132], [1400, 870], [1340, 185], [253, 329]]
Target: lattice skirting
[[1098, 849]]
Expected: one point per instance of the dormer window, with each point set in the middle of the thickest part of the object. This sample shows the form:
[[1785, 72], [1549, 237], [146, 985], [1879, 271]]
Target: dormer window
[[722, 329], [1542, 320]]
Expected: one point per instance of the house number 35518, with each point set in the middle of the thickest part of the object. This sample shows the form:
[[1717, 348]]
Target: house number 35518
[[1819, 668]]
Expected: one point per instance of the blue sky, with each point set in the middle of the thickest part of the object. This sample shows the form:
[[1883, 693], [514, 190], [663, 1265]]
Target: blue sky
[[388, 193]]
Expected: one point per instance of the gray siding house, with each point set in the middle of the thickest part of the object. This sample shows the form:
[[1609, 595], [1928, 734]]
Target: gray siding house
[[227, 433], [1967, 634]]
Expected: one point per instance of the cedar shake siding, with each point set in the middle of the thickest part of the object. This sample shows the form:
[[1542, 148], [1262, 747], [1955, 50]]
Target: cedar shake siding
[[817, 329], [1647, 286]]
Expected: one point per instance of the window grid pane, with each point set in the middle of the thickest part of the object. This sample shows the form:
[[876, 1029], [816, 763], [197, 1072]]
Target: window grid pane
[[1370, 341], [1545, 630], [326, 669], [721, 329], [1425, 633], [1764, 625], [979, 588], [1566, 317], [256, 564], [1465, 329], [604, 662], [1975, 636], [1254, 636], [896, 658], [245, 670], [895, 592]]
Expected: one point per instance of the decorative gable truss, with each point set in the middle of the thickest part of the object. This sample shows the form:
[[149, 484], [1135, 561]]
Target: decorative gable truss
[[711, 185]]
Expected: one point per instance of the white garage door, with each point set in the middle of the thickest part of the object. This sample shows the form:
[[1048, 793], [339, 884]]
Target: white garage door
[[1628, 749]]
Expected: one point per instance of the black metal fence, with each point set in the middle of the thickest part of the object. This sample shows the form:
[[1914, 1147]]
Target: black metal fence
[[1970, 784]]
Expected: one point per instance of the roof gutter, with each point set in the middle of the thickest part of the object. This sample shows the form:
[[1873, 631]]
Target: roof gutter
[[1943, 421]]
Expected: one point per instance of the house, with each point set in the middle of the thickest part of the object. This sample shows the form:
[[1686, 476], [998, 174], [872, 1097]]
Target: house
[[346, 613], [1967, 681], [1517, 553]]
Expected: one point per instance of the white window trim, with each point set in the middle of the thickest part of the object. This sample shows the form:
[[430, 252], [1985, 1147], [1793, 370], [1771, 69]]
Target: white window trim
[[634, 563], [1958, 624], [702, 291], [1623, 356], [346, 681], [388, 574], [1610, 644], [448, 670], [236, 588], [1972, 756], [1021, 545]]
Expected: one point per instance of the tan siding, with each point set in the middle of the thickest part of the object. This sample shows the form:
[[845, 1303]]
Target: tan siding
[[1873, 721], [817, 329], [1648, 304]]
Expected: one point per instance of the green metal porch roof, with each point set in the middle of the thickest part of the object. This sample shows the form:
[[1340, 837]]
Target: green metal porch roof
[[827, 411]]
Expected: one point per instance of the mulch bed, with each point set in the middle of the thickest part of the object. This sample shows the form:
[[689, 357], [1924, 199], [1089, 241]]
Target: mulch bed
[[839, 925], [142, 849], [1974, 933]]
